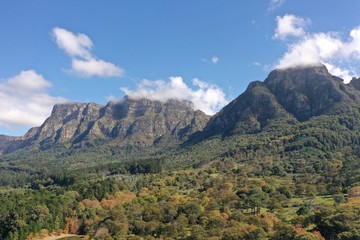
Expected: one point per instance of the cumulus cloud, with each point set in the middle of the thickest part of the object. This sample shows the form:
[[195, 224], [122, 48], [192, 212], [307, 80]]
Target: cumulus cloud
[[84, 63], [24, 101], [95, 67], [274, 4], [207, 97], [341, 56], [290, 25], [311, 50]]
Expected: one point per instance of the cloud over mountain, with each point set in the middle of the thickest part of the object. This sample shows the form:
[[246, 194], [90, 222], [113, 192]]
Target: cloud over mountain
[[338, 54], [207, 97], [84, 63]]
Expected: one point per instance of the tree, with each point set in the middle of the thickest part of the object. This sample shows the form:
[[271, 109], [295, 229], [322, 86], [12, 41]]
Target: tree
[[256, 199]]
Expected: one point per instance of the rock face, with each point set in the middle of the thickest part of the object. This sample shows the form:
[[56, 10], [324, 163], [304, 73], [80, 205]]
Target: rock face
[[130, 122], [290, 95], [144, 122], [66, 123]]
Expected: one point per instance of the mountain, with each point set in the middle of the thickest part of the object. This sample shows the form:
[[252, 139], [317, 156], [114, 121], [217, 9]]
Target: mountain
[[287, 95], [116, 170], [139, 122], [287, 98]]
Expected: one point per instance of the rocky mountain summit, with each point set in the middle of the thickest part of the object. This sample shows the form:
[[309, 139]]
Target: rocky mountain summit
[[138, 122]]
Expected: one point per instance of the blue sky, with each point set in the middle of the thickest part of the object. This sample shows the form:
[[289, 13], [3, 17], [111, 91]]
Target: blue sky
[[205, 51]]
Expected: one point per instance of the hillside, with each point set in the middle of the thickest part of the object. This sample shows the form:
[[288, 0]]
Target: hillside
[[281, 161]]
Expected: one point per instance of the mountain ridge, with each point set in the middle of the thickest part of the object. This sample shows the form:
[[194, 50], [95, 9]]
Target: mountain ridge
[[287, 96], [135, 122]]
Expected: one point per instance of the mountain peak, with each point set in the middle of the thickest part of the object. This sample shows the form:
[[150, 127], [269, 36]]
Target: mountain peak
[[297, 75], [315, 69], [307, 91], [290, 95]]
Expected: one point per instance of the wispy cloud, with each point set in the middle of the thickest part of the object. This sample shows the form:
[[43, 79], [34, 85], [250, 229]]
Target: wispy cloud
[[25, 101], [84, 63], [207, 97], [213, 60], [339, 55], [274, 4]]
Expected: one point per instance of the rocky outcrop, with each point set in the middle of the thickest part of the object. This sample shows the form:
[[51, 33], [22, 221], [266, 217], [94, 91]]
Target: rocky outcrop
[[66, 122]]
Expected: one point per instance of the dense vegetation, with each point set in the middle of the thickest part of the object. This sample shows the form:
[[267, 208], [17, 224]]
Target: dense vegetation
[[216, 201], [297, 182]]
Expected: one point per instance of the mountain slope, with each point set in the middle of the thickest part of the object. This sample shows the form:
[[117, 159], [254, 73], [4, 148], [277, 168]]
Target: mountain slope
[[248, 113]]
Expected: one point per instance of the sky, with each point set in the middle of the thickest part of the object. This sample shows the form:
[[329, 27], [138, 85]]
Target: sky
[[204, 51]]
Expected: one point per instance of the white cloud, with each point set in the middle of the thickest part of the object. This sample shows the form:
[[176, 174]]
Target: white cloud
[[75, 45], [340, 56], [94, 67], [24, 101], [290, 25], [27, 81], [345, 74], [353, 46], [84, 63], [215, 59], [207, 97], [274, 4], [311, 50]]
